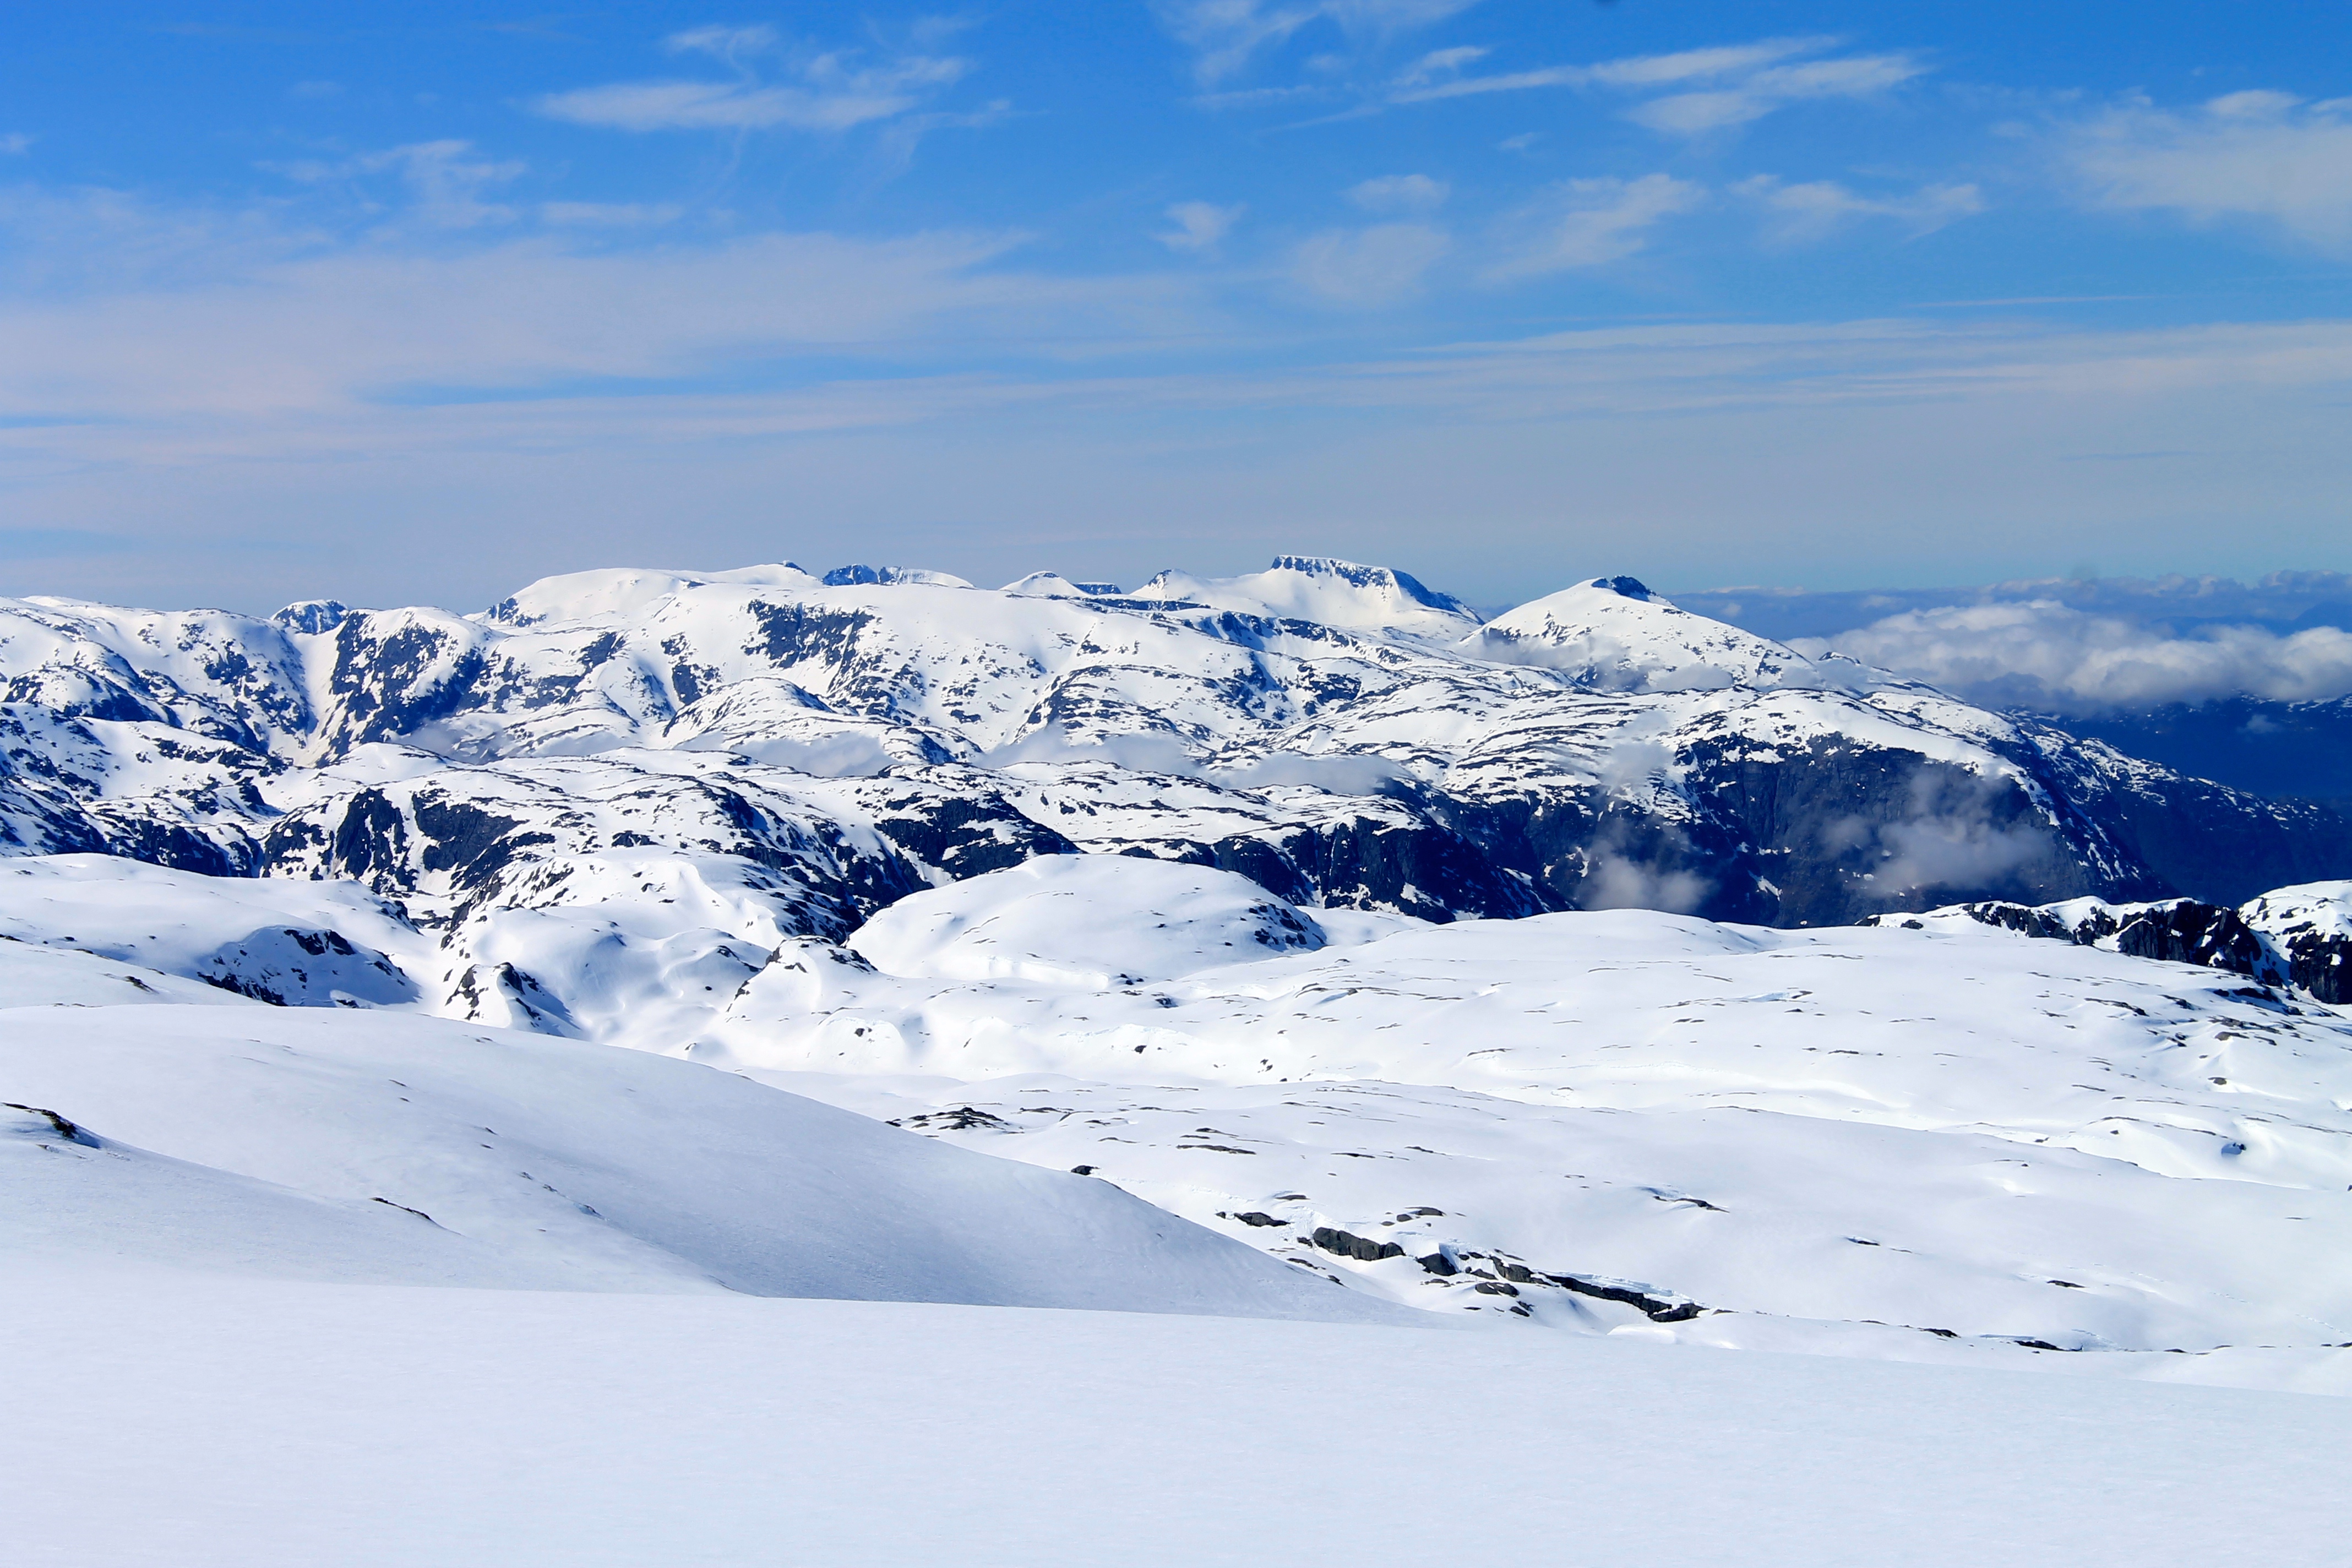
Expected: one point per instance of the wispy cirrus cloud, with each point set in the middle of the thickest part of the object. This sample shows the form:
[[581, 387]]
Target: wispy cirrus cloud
[[1589, 222], [1694, 91], [1811, 209], [1201, 226], [449, 181], [2265, 158], [831, 91], [1225, 35]]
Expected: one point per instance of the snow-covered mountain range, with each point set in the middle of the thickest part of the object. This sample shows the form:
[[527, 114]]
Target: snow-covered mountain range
[[1340, 733], [1507, 969]]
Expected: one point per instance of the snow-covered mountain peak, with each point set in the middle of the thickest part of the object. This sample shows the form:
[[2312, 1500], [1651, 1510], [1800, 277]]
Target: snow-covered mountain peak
[[1332, 593], [1613, 634], [621, 591], [1624, 587], [1054, 585], [2318, 908]]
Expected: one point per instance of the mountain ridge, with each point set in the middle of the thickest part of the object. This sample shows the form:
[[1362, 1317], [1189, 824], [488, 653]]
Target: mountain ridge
[[882, 728]]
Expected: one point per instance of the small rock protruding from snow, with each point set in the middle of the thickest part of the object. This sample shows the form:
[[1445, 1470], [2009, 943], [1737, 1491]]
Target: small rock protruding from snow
[[1098, 922]]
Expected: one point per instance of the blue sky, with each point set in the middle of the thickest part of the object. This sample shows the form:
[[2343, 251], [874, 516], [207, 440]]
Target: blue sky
[[415, 302]]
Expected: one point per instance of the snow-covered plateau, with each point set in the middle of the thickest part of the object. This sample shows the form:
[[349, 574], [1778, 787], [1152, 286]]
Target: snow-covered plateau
[[1064, 1074]]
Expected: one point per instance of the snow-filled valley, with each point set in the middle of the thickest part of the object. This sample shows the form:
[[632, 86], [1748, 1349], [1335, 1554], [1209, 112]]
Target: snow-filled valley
[[1558, 988]]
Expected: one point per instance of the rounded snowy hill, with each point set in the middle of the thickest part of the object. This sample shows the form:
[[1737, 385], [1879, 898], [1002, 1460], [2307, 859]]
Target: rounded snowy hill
[[1096, 920]]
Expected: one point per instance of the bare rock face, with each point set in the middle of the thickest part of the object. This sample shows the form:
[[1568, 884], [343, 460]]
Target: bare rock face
[[2310, 927]]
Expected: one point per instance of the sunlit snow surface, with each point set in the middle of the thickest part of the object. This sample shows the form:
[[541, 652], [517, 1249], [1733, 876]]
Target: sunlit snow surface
[[211, 1423], [342, 1146], [1893, 1142], [1950, 1142]]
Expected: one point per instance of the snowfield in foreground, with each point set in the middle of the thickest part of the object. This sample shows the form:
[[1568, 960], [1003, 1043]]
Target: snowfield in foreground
[[212, 1423], [366, 1146], [1953, 1142], [1082, 1020]]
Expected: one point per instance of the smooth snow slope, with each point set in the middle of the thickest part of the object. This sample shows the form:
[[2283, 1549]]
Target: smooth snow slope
[[233, 1424], [1092, 920], [359, 1145]]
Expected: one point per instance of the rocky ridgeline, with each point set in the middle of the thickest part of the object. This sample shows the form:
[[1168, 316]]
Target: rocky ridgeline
[[2299, 937], [811, 750]]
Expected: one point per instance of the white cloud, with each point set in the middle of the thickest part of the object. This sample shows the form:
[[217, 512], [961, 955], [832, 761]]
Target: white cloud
[[834, 92], [1716, 88], [15, 142], [1440, 63], [1225, 35], [2261, 156], [1515, 81], [1588, 223], [2045, 654], [1758, 94], [1722, 61], [1201, 226], [1399, 194], [1375, 266], [1811, 209]]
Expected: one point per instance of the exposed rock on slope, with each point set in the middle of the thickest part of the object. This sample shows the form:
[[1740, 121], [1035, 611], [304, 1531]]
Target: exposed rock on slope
[[1340, 733], [2291, 936]]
